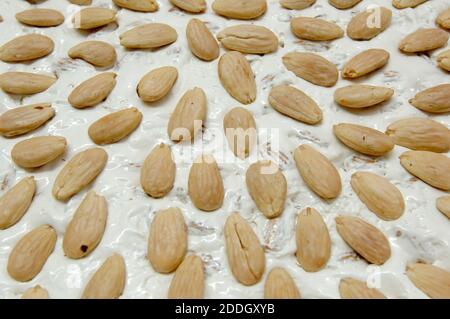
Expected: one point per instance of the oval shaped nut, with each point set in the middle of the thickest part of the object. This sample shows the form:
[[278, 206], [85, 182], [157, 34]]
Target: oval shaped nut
[[313, 241], [157, 83], [79, 172], [188, 117], [148, 36], [248, 38], [280, 285], [138, 5], [420, 134], [158, 172], [431, 280], [26, 47], [424, 40], [93, 17], [318, 172], [315, 29], [16, 201], [363, 139], [115, 126], [194, 6], [201, 42], [40, 17], [267, 187], [205, 185], [24, 119], [434, 100], [294, 103], [237, 77], [430, 167], [85, 230], [364, 63], [108, 282], [245, 254], [443, 205], [312, 68], [81, 2], [379, 195], [443, 19], [93, 90], [402, 4], [189, 280], [357, 96], [168, 240], [31, 253], [36, 292], [369, 23], [350, 288], [240, 130], [24, 83], [443, 60], [97, 53], [38, 151], [296, 4], [344, 4], [364, 238], [238, 9]]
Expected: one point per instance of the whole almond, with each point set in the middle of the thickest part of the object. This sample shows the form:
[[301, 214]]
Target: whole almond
[[240, 129], [157, 83], [79, 172], [363, 139], [38, 151], [312, 68], [313, 241], [194, 6], [443, 60], [238, 9], [24, 119], [26, 47], [432, 168], [24, 83], [434, 100], [36, 292], [108, 282], [158, 172], [16, 201], [138, 5], [168, 240], [424, 40], [315, 29], [148, 36], [318, 172], [189, 116], [344, 4], [81, 2], [93, 90], [97, 53], [379, 195], [31, 252], [267, 187], [205, 185], [248, 38], [236, 76], [280, 285], [357, 96], [201, 42], [85, 230], [364, 63], [402, 4], [294, 103], [443, 19], [367, 240], [350, 288], [297, 4], [245, 254], [443, 205], [431, 280], [369, 23], [189, 280], [40, 17], [93, 17]]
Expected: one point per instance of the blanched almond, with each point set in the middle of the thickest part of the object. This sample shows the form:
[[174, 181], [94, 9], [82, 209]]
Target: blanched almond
[[38, 151], [189, 280], [24, 83], [248, 38], [148, 36], [402, 4], [424, 40], [81, 2], [26, 47], [157, 83], [194, 6], [138, 5], [344, 4], [240, 129], [443, 60], [364, 63], [40, 17], [434, 100], [443, 19], [297, 4], [36, 292], [369, 23], [315, 29], [97, 53], [93, 17], [359, 96], [433, 281], [93, 90], [350, 288], [238, 9], [443, 204], [201, 42], [280, 285]]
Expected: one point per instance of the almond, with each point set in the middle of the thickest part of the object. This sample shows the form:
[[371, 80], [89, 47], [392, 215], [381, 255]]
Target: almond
[[318, 172], [443, 204], [363, 139], [85, 230], [364, 63], [367, 240], [443, 19], [359, 96], [138, 5], [108, 282], [432, 168], [248, 38], [158, 172], [40, 17], [194, 6], [313, 241], [379, 195], [38, 151], [36, 292], [443, 60], [434, 100], [344, 4], [205, 185], [79, 172], [238, 9], [81, 2], [267, 187], [201, 42], [315, 29], [31, 252], [312, 68], [24, 83], [240, 129], [424, 40], [16, 201], [431, 280], [93, 90], [369, 23], [157, 83], [297, 4], [280, 285], [93, 17], [26, 47], [402, 4], [148, 36], [97, 53], [168, 240], [350, 288], [236, 76], [245, 254], [189, 280]]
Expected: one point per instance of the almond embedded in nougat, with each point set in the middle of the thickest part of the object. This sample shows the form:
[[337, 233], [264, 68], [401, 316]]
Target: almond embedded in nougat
[[315, 29], [38, 151], [201, 41], [238, 9], [240, 130], [350, 288], [369, 23], [435, 99], [431, 280], [189, 280], [364, 63], [26, 47], [157, 83], [93, 90], [424, 40], [280, 285], [248, 38]]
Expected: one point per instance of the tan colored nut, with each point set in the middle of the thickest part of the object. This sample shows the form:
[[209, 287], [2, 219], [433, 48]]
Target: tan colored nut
[[350, 288], [359, 96], [344, 4], [369, 23], [148, 36], [24, 83], [138, 5], [189, 280], [240, 130], [431, 280], [93, 90], [93, 17], [193, 6], [157, 83], [248, 38], [26, 47], [40, 17], [296, 4], [434, 100], [201, 42], [38, 151], [280, 285], [364, 63], [424, 40], [315, 29], [238, 9], [97, 53], [36, 292]]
